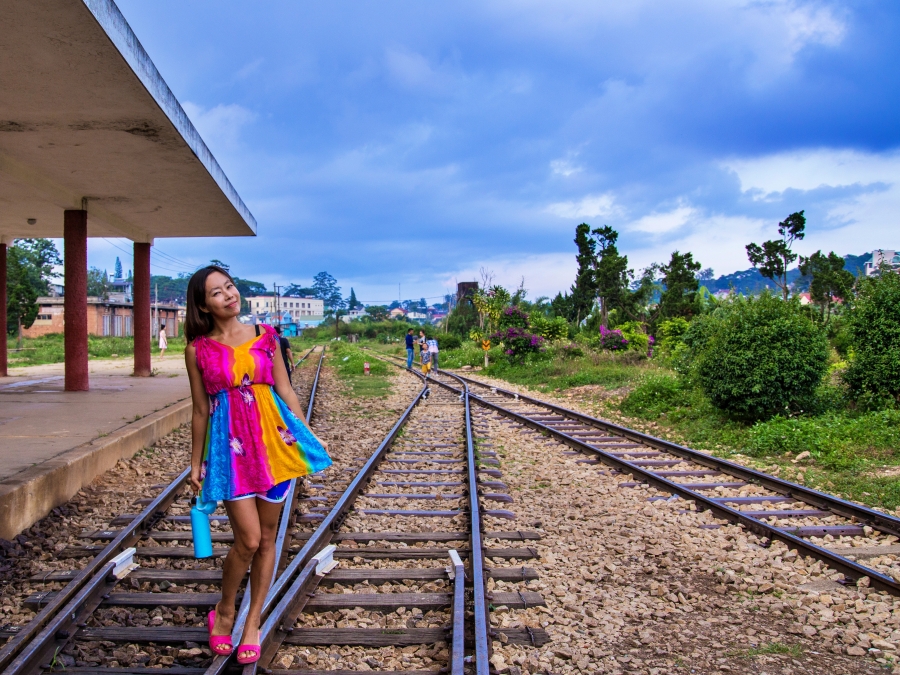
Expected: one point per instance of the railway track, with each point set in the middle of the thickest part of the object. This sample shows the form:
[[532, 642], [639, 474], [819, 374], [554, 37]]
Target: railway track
[[94, 594], [401, 583], [843, 534]]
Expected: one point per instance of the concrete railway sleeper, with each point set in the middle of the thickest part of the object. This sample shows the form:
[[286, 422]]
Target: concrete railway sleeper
[[63, 614], [797, 514]]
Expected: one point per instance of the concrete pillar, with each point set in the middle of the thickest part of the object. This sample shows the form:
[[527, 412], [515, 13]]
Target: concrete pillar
[[141, 320], [75, 307], [3, 344]]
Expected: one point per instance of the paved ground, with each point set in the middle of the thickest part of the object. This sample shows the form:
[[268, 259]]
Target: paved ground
[[38, 420]]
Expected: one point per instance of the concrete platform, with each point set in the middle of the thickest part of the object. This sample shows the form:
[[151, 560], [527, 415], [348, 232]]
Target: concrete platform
[[53, 443]]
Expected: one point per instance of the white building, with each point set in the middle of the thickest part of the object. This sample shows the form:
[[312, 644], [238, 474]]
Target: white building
[[883, 257], [298, 308], [357, 313]]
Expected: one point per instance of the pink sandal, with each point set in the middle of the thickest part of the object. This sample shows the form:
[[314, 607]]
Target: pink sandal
[[244, 660], [219, 644]]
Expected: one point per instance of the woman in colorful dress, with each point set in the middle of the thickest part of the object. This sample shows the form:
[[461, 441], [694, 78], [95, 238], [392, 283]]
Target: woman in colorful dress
[[249, 438]]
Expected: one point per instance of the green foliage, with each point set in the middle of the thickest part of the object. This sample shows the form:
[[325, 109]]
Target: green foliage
[[680, 282], [633, 331], [669, 333], [462, 319], [349, 362], [553, 329], [835, 440], [30, 265], [873, 324], [326, 289], [51, 349], [655, 396], [98, 283], [773, 258], [513, 317], [828, 280], [448, 341], [761, 358]]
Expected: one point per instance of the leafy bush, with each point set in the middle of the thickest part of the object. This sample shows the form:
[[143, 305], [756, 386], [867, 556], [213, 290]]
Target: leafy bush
[[669, 333], [570, 350], [553, 329], [513, 317], [761, 358], [874, 327], [654, 396], [448, 341], [612, 340], [518, 343], [634, 333]]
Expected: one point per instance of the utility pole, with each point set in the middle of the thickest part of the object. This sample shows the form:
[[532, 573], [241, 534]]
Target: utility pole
[[156, 303], [277, 304]]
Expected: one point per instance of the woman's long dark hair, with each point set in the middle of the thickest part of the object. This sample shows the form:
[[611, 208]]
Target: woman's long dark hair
[[196, 321]]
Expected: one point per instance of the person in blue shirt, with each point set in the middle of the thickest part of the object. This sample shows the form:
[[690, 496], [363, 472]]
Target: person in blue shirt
[[410, 349]]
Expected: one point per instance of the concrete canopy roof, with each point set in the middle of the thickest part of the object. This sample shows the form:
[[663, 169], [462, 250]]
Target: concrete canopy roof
[[86, 121]]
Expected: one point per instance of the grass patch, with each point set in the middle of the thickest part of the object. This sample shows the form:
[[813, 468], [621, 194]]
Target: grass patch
[[349, 362], [793, 650], [51, 349]]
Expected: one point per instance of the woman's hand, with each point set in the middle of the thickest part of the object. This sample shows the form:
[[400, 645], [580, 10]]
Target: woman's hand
[[322, 443], [195, 479]]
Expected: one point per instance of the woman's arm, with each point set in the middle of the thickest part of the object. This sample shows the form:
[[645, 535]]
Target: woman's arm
[[284, 389], [199, 415]]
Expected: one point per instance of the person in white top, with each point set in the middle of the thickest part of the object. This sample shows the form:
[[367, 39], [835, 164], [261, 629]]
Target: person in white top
[[163, 341]]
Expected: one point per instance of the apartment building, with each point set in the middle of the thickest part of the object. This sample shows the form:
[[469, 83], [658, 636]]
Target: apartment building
[[298, 308]]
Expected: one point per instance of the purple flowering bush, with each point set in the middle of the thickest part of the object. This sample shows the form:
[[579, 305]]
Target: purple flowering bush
[[612, 340], [513, 317], [518, 343]]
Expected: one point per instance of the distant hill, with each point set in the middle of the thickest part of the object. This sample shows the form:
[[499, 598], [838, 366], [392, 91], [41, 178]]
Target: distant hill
[[752, 282]]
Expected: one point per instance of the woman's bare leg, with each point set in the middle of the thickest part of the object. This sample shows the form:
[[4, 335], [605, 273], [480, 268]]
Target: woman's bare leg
[[261, 569], [245, 524]]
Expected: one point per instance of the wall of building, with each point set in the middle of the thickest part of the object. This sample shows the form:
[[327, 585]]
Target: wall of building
[[103, 319]]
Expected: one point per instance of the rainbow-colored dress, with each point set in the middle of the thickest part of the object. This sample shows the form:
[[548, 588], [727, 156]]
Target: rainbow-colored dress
[[253, 440]]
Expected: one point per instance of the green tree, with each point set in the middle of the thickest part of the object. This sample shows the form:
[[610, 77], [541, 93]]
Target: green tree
[[327, 290], [118, 272], [611, 273], [297, 291], [352, 302], [98, 284], [874, 327], [584, 290], [828, 280], [680, 283], [219, 263], [30, 264], [773, 258], [378, 312]]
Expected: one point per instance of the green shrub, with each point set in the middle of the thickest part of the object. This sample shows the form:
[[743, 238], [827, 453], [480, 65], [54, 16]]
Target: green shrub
[[553, 329], [638, 340], [448, 341], [762, 358], [654, 396], [513, 317], [668, 333], [874, 326]]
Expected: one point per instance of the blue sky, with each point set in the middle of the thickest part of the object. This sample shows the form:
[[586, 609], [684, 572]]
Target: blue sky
[[417, 142]]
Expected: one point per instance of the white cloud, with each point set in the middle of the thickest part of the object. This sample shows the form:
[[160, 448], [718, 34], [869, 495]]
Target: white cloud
[[564, 167], [662, 223], [544, 274], [591, 206], [220, 127]]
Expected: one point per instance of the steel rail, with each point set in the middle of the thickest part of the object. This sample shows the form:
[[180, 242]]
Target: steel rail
[[875, 519], [481, 609], [847, 567], [280, 601], [130, 535]]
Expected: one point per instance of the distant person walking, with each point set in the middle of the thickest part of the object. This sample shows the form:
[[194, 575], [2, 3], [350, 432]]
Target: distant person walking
[[426, 360], [286, 352], [163, 341], [433, 352], [410, 348]]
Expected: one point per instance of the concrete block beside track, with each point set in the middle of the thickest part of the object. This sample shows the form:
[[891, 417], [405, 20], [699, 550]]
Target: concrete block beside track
[[30, 495]]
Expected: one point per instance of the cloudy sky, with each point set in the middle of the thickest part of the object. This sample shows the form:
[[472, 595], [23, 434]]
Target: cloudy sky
[[417, 142]]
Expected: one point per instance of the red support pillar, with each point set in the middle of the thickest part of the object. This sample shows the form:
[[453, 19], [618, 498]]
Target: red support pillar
[[141, 321], [75, 307], [3, 344]]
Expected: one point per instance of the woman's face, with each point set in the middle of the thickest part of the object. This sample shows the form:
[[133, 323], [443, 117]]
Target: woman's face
[[222, 298]]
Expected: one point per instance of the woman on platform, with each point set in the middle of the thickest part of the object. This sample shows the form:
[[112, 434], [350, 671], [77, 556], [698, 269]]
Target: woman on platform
[[163, 341], [249, 438]]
